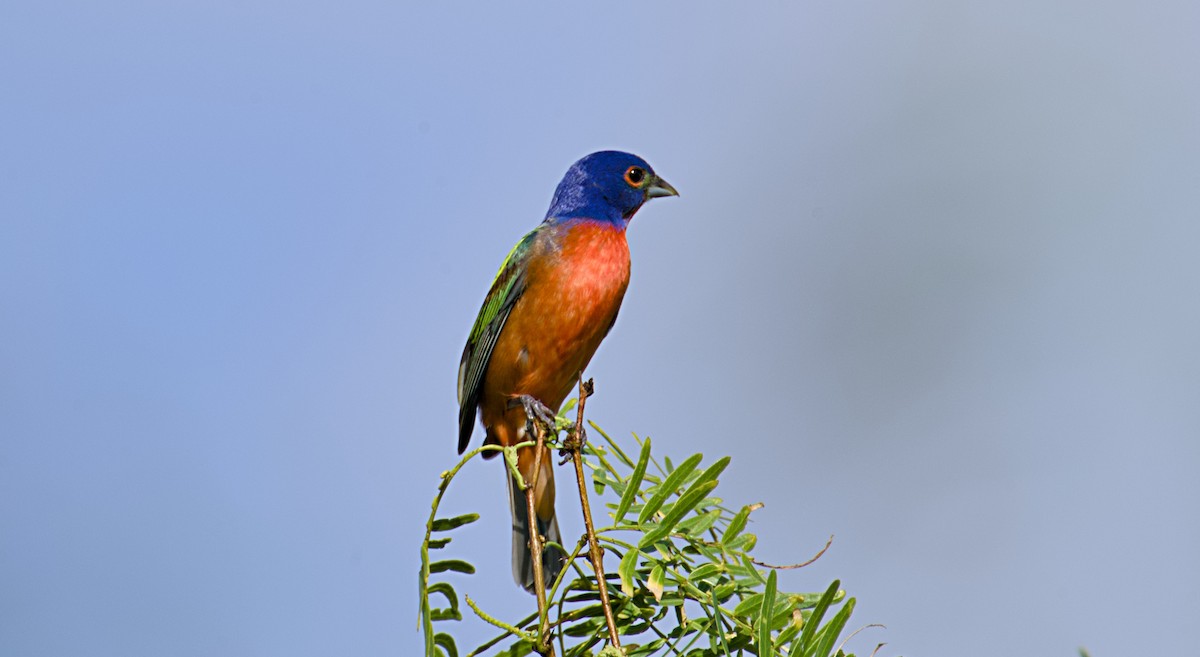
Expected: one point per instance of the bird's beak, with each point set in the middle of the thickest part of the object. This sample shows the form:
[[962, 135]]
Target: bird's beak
[[659, 188]]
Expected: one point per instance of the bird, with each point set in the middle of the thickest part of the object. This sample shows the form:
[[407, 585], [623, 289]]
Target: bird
[[553, 301]]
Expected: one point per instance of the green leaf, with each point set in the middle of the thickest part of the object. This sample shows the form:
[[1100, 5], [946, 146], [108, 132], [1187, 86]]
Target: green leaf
[[605, 478], [612, 443], [438, 543], [810, 600], [743, 543], [513, 463], [446, 524], [830, 633], [705, 571], [782, 616], [456, 565], [445, 614], [814, 620], [634, 484], [700, 523], [713, 471], [655, 582], [763, 622], [685, 504], [518, 649], [446, 642], [753, 569], [723, 592], [626, 571], [446, 590], [749, 605], [585, 628], [738, 523], [692, 494], [672, 599], [644, 649], [668, 487], [793, 627]]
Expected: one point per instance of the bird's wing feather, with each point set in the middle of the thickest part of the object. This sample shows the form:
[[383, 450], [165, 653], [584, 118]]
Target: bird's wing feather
[[506, 289]]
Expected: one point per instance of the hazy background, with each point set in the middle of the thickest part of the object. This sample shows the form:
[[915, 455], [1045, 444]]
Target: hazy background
[[932, 282]]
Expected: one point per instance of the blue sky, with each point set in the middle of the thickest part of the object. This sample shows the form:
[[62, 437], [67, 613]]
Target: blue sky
[[931, 282]]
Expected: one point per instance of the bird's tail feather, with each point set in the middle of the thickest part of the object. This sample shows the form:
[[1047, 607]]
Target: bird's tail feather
[[522, 559]]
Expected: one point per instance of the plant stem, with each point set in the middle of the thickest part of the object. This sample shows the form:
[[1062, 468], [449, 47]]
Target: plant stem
[[576, 446], [544, 647]]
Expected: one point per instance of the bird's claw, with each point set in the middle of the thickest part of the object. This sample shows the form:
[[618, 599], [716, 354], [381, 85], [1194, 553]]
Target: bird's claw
[[536, 411]]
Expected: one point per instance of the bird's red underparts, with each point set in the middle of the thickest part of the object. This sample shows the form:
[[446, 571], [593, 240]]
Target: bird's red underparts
[[576, 279]]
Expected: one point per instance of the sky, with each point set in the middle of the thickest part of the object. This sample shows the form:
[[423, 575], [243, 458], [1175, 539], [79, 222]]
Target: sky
[[931, 282]]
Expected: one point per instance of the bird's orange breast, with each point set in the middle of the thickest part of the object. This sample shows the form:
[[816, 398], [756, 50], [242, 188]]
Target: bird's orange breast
[[574, 286]]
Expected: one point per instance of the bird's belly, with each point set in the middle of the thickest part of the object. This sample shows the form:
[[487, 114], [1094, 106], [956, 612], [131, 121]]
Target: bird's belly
[[553, 341], [559, 322]]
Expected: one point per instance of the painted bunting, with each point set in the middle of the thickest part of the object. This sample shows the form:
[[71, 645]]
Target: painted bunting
[[555, 298]]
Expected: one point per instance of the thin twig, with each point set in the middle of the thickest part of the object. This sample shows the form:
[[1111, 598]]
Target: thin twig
[[479, 650], [847, 639], [543, 645], [586, 388], [425, 621], [511, 629], [796, 565]]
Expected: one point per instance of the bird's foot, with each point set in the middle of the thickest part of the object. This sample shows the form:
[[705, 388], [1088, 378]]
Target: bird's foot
[[535, 411]]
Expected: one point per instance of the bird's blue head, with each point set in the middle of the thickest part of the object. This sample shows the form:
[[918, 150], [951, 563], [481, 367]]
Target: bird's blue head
[[607, 186]]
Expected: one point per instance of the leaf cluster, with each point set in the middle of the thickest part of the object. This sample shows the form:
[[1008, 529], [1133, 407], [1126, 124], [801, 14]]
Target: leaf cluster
[[686, 582]]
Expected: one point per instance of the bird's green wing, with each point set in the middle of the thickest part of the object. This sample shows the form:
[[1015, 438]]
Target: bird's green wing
[[506, 289]]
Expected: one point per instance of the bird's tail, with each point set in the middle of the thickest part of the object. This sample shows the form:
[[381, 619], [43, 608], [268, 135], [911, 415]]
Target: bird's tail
[[522, 559]]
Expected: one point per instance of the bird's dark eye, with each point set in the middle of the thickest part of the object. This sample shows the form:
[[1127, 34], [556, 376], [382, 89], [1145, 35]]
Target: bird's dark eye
[[635, 176]]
